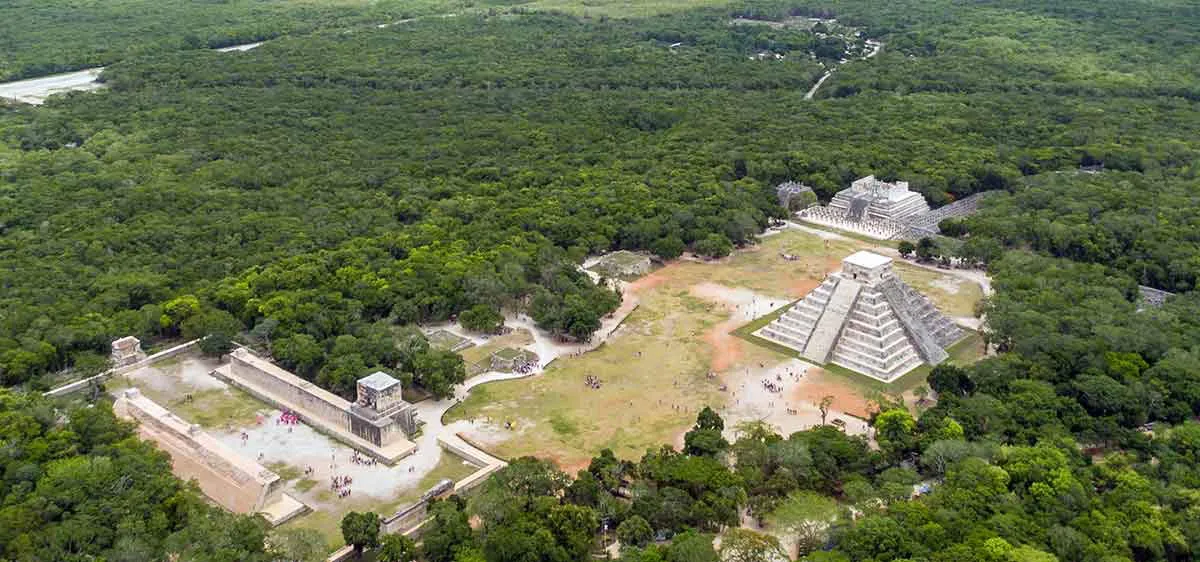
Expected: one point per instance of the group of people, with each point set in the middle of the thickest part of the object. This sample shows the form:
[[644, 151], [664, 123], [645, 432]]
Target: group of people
[[340, 485], [288, 418], [772, 386], [358, 459], [592, 381], [525, 367]]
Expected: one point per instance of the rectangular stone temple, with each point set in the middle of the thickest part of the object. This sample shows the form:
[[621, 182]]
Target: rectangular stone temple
[[380, 415], [870, 198], [864, 318]]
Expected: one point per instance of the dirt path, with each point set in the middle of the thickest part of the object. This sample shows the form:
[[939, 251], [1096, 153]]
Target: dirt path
[[876, 46]]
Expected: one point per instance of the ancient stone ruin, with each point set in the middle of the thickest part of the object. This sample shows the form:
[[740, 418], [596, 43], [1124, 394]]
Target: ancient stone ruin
[[377, 423], [789, 190], [127, 351], [870, 198], [229, 479], [864, 318]]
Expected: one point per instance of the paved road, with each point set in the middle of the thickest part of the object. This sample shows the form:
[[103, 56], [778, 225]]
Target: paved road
[[35, 90]]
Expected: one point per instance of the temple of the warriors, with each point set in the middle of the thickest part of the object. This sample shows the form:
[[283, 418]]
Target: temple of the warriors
[[864, 318], [871, 198]]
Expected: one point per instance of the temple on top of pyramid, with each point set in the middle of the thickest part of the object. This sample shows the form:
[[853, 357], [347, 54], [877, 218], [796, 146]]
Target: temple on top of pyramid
[[864, 318]]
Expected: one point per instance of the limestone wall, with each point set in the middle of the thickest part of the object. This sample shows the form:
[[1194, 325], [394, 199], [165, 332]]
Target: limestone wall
[[236, 483], [304, 394], [88, 382]]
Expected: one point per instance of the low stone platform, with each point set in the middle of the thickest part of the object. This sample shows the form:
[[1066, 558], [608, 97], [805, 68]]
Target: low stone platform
[[283, 510], [233, 481], [388, 454]]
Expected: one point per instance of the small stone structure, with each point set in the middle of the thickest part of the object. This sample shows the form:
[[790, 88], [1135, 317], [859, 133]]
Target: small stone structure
[[1149, 297], [510, 359], [789, 190], [622, 263], [127, 351], [234, 482], [377, 424], [864, 318], [380, 415], [872, 198]]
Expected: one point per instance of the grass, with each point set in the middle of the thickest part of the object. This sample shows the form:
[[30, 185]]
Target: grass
[[285, 471], [556, 416], [660, 359], [480, 353], [443, 339], [305, 484], [954, 296], [328, 521], [212, 408], [221, 409], [509, 353]]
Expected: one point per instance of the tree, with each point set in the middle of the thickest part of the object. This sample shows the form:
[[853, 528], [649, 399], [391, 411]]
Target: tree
[[926, 249], [744, 545], [705, 437], [448, 532], [668, 247], [906, 248], [575, 528], [634, 531], [690, 546], [298, 545], [895, 432], [397, 548], [300, 353], [826, 402], [215, 344], [438, 371], [713, 246], [360, 530], [947, 378], [482, 318]]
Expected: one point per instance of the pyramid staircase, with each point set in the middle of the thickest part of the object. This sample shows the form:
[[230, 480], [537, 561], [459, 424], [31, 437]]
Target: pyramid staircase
[[883, 330]]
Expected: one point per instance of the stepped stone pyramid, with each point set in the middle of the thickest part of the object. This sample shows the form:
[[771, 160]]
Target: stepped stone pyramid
[[864, 318]]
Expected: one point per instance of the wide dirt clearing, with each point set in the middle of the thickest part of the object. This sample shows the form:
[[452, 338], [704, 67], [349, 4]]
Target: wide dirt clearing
[[655, 370]]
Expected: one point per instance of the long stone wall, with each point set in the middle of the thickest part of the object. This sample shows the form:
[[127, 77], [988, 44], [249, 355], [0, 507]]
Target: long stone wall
[[312, 398], [236, 483], [324, 411], [88, 382]]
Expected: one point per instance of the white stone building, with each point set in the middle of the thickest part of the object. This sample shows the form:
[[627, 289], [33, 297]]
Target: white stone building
[[871, 198]]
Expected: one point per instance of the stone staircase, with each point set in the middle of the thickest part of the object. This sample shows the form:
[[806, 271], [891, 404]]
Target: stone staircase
[[874, 341], [825, 333], [913, 321]]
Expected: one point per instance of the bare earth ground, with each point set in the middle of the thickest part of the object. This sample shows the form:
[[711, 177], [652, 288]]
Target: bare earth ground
[[653, 369], [227, 413]]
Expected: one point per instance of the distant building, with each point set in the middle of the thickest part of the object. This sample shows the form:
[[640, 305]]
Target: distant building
[[789, 190], [871, 198]]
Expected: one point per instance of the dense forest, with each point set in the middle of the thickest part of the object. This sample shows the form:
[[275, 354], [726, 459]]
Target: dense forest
[[325, 191], [40, 37]]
